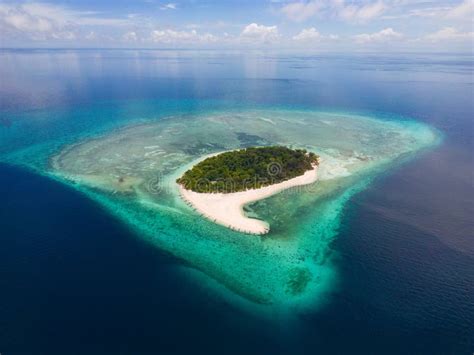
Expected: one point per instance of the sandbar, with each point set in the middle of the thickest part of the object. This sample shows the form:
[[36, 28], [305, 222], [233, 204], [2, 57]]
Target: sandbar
[[227, 208]]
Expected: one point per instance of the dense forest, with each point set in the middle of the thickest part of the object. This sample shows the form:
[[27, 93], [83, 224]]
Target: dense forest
[[248, 168]]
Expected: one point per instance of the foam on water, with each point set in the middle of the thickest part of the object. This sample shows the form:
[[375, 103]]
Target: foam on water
[[131, 171]]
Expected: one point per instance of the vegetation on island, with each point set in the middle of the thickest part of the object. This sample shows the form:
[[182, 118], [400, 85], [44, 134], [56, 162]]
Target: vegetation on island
[[248, 168]]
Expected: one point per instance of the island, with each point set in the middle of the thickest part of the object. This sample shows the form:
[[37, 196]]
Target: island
[[131, 171], [220, 185]]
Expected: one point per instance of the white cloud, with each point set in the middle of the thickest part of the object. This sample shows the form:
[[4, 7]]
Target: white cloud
[[436, 11], [41, 21], [130, 36], [91, 36], [384, 35], [28, 23], [66, 35], [181, 37], [353, 11], [308, 34], [169, 6], [441, 10], [208, 38], [450, 34], [360, 13], [24, 21], [301, 11], [259, 33], [466, 9], [14, 18]]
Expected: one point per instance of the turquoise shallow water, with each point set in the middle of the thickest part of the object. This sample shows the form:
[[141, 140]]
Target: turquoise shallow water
[[383, 263], [129, 165]]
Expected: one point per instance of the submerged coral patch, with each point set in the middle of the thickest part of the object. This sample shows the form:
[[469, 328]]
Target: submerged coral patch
[[132, 172]]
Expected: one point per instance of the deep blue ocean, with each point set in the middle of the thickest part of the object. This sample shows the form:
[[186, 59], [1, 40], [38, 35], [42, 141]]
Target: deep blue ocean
[[75, 280]]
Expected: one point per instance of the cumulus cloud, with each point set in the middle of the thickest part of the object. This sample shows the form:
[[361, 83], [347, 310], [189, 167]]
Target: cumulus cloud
[[450, 34], [308, 35], [311, 35], [259, 33], [24, 21], [384, 35], [173, 37], [130, 36]]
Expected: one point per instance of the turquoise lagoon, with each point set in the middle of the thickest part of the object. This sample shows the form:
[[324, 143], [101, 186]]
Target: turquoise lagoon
[[126, 156]]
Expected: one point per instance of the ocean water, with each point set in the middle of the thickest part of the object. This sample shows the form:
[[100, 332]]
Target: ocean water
[[379, 260]]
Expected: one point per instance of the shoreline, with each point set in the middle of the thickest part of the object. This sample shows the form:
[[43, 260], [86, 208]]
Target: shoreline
[[226, 209]]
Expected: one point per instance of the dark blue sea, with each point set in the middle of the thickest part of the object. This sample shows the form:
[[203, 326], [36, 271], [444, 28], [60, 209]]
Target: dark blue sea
[[76, 280]]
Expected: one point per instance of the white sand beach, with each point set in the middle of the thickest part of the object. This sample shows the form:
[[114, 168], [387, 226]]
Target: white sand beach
[[227, 209]]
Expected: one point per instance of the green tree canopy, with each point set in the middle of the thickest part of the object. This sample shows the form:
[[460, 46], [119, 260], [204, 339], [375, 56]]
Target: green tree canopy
[[248, 168]]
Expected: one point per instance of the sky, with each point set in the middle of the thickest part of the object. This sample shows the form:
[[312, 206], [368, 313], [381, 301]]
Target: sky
[[325, 25]]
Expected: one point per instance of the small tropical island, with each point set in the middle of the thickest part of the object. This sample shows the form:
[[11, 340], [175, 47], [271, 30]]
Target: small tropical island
[[243, 169], [219, 186]]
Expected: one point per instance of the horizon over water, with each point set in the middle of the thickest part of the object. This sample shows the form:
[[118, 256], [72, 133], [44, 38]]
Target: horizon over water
[[380, 260]]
